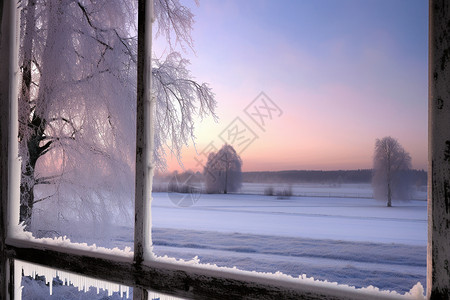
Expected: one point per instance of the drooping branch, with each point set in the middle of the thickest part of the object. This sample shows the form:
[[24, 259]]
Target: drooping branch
[[47, 179], [88, 18], [179, 100], [129, 51], [44, 149], [172, 17]]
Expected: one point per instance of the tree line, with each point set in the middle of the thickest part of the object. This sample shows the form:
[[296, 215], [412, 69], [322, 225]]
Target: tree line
[[417, 177]]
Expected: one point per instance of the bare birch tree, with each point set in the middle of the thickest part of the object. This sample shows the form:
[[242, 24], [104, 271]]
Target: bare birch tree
[[76, 107], [390, 165], [77, 104]]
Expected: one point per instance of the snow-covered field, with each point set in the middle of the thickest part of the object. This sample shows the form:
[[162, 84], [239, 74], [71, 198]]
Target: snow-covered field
[[354, 241], [349, 240], [350, 219]]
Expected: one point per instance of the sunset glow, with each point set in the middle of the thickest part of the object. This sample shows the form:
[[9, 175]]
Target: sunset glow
[[343, 73]]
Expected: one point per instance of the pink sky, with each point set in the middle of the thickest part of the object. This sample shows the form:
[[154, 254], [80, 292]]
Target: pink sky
[[339, 87]]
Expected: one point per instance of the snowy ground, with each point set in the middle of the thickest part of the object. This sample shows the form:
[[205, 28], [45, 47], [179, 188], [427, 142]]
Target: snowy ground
[[352, 241], [349, 240], [350, 219]]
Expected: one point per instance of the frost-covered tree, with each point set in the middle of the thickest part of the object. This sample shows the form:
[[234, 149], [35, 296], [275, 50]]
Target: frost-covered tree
[[77, 104], [390, 165], [223, 171], [76, 108]]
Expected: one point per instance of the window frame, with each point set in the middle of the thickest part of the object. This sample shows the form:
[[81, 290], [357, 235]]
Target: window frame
[[142, 272]]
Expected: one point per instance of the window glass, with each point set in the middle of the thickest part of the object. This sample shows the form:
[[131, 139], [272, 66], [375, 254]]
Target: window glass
[[303, 92], [37, 282]]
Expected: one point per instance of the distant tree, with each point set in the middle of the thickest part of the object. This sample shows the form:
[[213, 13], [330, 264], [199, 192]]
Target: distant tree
[[390, 164], [223, 171]]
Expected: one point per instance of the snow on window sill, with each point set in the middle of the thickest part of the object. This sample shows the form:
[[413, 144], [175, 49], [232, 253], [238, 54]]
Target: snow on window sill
[[303, 282], [20, 238], [195, 268]]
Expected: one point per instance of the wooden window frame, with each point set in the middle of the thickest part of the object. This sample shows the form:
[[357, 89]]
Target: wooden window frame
[[195, 282]]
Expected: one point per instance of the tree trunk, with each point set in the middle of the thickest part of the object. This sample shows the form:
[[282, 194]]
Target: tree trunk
[[28, 180], [389, 195], [389, 179], [28, 147], [226, 180], [33, 118], [26, 196]]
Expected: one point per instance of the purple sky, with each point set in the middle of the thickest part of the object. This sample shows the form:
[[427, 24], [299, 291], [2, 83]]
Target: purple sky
[[343, 73]]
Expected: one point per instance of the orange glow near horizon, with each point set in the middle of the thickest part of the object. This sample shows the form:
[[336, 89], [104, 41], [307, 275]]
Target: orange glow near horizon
[[308, 137], [339, 87]]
